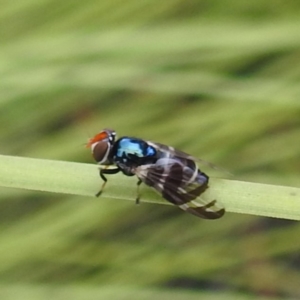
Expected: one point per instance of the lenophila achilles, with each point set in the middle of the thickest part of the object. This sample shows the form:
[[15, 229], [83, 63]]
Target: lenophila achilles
[[172, 173]]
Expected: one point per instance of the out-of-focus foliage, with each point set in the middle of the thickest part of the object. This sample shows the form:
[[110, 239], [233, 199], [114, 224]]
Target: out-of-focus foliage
[[218, 79]]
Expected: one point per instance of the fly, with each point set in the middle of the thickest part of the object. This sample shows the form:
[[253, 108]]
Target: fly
[[172, 173]]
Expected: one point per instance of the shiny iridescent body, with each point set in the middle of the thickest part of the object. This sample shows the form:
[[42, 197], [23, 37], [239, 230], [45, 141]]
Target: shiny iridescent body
[[174, 174]]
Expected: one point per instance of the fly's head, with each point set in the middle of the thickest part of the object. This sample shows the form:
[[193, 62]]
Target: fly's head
[[101, 145]]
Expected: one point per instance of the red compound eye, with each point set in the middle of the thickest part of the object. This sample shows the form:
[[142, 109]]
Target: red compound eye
[[97, 138], [100, 152]]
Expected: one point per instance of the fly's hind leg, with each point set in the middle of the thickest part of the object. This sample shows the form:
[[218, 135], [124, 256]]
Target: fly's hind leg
[[101, 173], [138, 197]]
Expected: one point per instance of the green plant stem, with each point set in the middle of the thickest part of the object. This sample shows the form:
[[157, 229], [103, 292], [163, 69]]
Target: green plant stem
[[83, 180]]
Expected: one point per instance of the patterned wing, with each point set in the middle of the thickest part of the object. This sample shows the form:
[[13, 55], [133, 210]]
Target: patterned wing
[[172, 152], [180, 182]]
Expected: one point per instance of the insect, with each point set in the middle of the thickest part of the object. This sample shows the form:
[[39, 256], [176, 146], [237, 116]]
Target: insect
[[172, 173]]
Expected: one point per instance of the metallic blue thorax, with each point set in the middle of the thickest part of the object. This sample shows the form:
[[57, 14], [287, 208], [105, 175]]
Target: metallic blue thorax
[[133, 152]]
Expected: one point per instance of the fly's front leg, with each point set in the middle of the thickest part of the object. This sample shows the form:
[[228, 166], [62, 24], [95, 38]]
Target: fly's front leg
[[137, 200], [106, 171]]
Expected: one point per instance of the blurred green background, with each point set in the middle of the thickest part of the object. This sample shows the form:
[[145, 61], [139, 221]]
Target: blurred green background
[[217, 79]]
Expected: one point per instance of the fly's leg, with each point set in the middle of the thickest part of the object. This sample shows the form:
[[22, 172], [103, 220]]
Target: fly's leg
[[101, 173], [137, 200]]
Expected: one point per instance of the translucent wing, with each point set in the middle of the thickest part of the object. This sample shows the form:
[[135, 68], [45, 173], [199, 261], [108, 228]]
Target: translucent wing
[[180, 182]]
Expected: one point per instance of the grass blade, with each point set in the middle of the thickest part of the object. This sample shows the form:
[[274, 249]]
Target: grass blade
[[83, 180]]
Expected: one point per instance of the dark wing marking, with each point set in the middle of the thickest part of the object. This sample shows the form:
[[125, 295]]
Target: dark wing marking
[[180, 182], [177, 153]]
